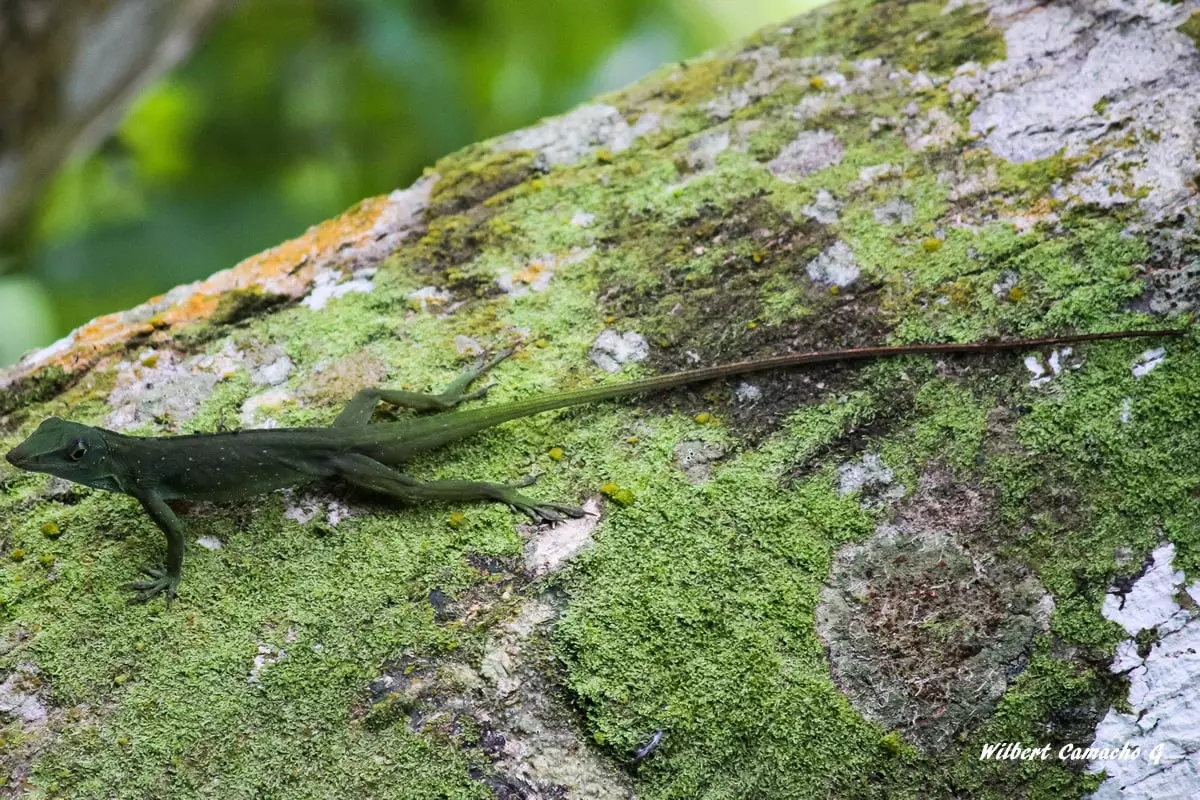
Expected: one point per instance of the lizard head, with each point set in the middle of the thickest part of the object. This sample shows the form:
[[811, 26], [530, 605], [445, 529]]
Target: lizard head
[[67, 449]]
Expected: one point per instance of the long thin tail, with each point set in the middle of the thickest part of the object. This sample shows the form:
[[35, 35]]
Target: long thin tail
[[454, 425]]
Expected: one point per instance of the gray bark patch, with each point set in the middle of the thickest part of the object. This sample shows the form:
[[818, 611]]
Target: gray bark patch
[[567, 139], [1121, 92], [807, 153], [894, 212]]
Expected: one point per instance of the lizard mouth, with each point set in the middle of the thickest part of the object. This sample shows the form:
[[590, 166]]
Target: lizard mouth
[[17, 458]]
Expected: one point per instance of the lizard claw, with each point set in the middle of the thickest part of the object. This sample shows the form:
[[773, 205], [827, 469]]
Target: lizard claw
[[162, 582], [457, 392], [478, 393], [546, 512], [537, 510]]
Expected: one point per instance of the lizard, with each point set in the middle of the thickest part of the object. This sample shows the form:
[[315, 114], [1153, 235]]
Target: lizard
[[234, 465]]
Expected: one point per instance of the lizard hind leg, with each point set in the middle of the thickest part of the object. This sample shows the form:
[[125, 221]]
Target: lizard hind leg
[[360, 408], [367, 473]]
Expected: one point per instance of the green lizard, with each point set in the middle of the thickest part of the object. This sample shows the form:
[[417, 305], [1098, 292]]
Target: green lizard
[[239, 464]]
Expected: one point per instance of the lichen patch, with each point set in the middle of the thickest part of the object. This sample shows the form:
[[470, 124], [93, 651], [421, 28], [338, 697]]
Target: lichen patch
[[266, 657], [894, 212], [429, 297], [871, 478], [696, 458], [611, 349], [270, 367], [933, 131], [1150, 601], [582, 219], [257, 406], [834, 266], [30, 726], [19, 698], [809, 152], [925, 628], [400, 217], [309, 506], [581, 132], [1149, 361], [772, 71], [1128, 89], [331, 284], [824, 208], [285, 272], [702, 150], [1055, 364], [506, 709], [535, 275], [1164, 689], [160, 386]]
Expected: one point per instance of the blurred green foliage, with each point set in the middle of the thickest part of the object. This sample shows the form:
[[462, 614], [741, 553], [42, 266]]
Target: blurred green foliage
[[292, 110]]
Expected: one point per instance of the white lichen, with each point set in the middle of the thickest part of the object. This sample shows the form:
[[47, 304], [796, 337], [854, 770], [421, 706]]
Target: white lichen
[[611, 349], [429, 296], [834, 266], [1164, 689], [871, 473], [1149, 361], [579, 133], [1043, 375], [331, 283]]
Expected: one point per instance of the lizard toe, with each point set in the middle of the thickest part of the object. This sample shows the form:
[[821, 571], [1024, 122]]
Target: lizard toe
[[162, 583], [561, 512], [549, 512]]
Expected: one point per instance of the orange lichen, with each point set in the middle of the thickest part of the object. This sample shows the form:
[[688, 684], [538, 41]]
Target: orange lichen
[[286, 270], [531, 273]]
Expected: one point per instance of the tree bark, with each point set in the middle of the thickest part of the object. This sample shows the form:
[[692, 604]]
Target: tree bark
[[920, 577]]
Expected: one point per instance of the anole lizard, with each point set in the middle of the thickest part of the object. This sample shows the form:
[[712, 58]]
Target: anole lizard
[[239, 464]]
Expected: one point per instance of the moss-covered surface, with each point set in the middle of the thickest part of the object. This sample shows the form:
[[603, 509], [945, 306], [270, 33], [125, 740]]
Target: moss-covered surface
[[693, 613]]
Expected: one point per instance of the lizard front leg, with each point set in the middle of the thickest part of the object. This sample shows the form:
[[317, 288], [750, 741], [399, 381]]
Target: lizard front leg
[[165, 578], [367, 473], [358, 411]]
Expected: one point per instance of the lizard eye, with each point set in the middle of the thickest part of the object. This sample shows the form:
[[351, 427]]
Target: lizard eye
[[78, 449]]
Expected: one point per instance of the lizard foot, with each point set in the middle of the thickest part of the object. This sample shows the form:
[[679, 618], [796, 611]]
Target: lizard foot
[[163, 582], [540, 512], [537, 510], [457, 392]]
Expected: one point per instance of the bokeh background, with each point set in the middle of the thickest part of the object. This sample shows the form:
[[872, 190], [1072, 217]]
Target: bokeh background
[[286, 113]]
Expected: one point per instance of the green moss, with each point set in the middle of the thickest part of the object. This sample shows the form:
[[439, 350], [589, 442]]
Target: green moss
[[664, 633], [474, 175], [1191, 28], [911, 35], [1037, 710], [199, 654], [952, 424], [239, 304], [1031, 180], [683, 86], [34, 389], [1128, 481]]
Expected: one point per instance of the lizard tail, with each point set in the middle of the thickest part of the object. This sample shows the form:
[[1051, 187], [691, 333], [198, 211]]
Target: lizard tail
[[454, 425]]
